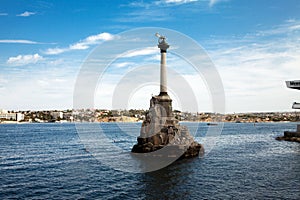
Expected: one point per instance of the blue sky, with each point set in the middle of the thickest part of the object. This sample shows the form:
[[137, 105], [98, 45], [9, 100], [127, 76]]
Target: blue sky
[[255, 46]]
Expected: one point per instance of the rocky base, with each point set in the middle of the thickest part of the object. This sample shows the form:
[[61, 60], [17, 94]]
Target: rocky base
[[162, 136], [290, 136], [171, 141], [194, 150]]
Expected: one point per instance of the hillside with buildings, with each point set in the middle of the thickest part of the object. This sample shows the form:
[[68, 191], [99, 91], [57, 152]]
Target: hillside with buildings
[[133, 115]]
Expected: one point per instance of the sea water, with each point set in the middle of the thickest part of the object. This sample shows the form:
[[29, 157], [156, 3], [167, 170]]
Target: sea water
[[50, 161]]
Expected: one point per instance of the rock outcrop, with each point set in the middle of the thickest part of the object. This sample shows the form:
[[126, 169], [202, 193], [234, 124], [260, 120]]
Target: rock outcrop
[[160, 130], [291, 136]]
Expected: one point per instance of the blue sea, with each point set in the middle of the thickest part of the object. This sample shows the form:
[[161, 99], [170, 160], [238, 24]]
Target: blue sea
[[51, 161]]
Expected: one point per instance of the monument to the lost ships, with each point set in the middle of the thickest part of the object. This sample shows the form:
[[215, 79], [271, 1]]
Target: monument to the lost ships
[[160, 130]]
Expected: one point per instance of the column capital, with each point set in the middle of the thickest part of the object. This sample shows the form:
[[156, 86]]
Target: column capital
[[163, 47], [162, 44]]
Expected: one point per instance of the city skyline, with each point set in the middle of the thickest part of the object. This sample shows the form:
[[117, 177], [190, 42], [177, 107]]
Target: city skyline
[[253, 45]]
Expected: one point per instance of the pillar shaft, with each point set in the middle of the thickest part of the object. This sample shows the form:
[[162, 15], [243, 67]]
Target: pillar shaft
[[163, 73]]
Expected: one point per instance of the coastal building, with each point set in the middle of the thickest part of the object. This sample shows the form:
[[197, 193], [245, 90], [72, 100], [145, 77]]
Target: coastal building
[[11, 116], [57, 114], [2, 111]]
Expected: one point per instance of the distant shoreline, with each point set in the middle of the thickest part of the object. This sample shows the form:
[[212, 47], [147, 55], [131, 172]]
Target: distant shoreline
[[133, 115], [208, 123]]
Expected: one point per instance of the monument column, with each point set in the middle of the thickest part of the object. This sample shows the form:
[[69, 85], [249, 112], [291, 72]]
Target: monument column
[[160, 130], [163, 45]]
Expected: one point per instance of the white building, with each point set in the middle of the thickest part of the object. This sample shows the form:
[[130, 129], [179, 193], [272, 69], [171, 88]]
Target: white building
[[57, 114], [2, 111], [12, 116]]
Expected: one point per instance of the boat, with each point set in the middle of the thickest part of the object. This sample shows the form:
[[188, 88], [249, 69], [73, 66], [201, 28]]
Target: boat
[[212, 124]]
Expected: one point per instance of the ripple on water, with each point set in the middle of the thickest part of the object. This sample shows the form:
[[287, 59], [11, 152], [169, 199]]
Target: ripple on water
[[48, 161]]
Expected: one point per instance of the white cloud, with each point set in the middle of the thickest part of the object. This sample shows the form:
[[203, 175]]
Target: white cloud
[[83, 44], [46, 89], [291, 26], [254, 71], [161, 10], [56, 62], [100, 37], [26, 14], [142, 15], [147, 5], [3, 83], [214, 2], [176, 2], [141, 52], [180, 1], [19, 41], [158, 3], [78, 46], [93, 39], [54, 51], [24, 59], [123, 64], [295, 27]]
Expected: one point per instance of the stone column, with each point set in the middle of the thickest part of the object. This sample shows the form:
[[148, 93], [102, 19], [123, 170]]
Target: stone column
[[163, 45], [163, 73]]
